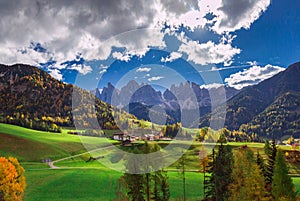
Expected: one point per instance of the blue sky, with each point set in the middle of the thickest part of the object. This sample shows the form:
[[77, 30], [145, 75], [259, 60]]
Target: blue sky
[[160, 42]]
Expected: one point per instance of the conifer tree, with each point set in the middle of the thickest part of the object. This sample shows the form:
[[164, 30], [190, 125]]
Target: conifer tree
[[133, 180], [260, 162], [222, 171], [220, 168], [161, 190], [150, 185], [282, 186], [270, 151], [209, 180]]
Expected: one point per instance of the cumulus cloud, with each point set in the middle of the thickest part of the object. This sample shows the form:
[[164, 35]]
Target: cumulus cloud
[[252, 76], [173, 56], [145, 69], [155, 78], [228, 15], [209, 52], [66, 28], [120, 56], [81, 68], [39, 31], [233, 15]]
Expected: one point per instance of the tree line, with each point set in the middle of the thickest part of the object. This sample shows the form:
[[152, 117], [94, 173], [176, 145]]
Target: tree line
[[242, 176]]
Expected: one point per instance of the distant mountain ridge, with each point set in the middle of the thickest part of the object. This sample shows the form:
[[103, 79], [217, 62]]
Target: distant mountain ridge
[[266, 109], [138, 99]]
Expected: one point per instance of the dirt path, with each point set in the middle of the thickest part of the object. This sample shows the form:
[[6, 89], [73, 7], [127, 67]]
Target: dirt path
[[51, 163]]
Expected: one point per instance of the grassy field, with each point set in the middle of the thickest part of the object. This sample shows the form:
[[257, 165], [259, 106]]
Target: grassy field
[[94, 184], [81, 180], [31, 145]]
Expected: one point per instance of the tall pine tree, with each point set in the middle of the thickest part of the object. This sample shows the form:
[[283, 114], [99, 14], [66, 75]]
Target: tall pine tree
[[220, 168], [270, 151], [137, 186], [282, 186], [209, 179], [222, 171], [161, 190], [260, 162], [134, 181]]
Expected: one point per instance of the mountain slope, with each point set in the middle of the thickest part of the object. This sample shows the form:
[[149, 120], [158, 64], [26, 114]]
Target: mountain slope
[[281, 118], [30, 94], [250, 102]]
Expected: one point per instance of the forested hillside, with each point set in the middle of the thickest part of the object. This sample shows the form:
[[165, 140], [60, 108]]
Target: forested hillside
[[30, 97], [270, 108]]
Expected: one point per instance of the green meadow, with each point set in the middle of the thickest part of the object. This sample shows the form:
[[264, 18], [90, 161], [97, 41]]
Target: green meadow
[[77, 179]]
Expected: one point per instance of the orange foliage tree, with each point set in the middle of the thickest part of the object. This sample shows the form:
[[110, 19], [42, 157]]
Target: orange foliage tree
[[12, 180]]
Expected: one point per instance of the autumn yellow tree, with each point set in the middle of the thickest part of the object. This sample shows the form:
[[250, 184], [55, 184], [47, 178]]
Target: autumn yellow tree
[[247, 179], [12, 180]]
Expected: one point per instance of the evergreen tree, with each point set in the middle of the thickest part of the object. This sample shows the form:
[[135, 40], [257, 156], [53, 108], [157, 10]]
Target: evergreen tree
[[133, 180], [146, 186], [161, 190], [147, 149], [209, 180], [260, 162], [165, 186], [282, 186], [216, 186], [222, 172], [270, 151]]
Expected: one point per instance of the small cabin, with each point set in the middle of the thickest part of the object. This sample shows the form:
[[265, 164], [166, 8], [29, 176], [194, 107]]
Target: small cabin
[[118, 136]]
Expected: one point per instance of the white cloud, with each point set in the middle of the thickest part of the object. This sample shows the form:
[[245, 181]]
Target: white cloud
[[92, 29], [103, 69], [229, 15], [56, 74], [211, 86], [209, 52], [252, 76], [173, 56], [120, 56], [155, 78], [234, 15], [145, 69], [252, 63], [86, 30], [81, 68]]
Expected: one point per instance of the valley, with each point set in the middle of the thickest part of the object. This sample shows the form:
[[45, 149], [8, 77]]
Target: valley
[[76, 179]]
